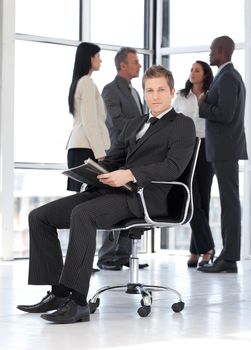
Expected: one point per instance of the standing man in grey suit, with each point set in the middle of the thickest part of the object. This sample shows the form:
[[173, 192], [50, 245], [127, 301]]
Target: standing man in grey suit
[[223, 108], [123, 104], [145, 152]]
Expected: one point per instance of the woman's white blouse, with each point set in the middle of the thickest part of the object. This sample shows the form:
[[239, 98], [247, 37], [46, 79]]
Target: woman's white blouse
[[189, 107]]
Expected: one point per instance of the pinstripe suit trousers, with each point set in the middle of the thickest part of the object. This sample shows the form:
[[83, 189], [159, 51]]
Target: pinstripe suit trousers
[[83, 213]]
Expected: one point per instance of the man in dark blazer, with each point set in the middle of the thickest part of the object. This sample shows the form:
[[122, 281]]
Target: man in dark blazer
[[223, 108], [122, 103], [160, 152]]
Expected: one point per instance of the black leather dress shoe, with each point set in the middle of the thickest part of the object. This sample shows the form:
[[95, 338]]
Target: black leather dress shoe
[[220, 266], [48, 303], [70, 312], [111, 266], [141, 266], [94, 270]]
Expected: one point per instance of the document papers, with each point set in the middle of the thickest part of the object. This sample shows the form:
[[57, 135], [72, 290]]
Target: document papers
[[87, 173]]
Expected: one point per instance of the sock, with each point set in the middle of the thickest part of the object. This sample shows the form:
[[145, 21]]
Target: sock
[[79, 298], [60, 291]]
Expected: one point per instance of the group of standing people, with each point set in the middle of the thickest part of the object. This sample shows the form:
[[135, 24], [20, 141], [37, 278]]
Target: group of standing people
[[217, 109], [140, 153]]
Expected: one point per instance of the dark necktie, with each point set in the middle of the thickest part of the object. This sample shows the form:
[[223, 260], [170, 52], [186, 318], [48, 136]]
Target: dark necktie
[[152, 121], [135, 96]]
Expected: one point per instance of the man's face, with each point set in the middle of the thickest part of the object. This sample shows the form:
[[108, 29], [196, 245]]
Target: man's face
[[214, 56], [132, 66], [158, 95]]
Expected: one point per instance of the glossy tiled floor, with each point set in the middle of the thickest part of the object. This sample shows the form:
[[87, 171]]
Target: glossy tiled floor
[[217, 313]]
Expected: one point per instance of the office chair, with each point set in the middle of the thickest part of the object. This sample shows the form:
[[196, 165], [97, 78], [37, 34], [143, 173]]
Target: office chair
[[180, 212]]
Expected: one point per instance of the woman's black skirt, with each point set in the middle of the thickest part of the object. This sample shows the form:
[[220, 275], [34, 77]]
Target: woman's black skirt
[[75, 157]]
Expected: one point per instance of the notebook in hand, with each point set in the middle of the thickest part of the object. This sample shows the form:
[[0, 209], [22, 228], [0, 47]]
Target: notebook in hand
[[87, 173]]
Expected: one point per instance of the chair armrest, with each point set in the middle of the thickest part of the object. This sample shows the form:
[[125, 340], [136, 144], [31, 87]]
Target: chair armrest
[[147, 217]]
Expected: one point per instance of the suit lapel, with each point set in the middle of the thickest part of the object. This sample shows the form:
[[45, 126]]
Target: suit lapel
[[227, 67], [156, 128], [132, 140], [123, 86]]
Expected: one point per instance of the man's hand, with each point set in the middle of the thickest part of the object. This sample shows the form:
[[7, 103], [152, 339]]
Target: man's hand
[[116, 178], [202, 98]]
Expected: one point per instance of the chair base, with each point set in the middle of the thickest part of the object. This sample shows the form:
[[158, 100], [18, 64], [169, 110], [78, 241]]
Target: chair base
[[146, 294], [134, 287]]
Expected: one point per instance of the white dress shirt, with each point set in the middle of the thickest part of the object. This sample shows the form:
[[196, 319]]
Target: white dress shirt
[[190, 108], [147, 124]]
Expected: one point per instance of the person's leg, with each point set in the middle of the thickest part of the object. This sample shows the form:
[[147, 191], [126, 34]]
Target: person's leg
[[227, 173], [46, 262], [84, 215], [123, 249], [107, 250], [76, 157], [116, 248], [202, 238], [101, 212]]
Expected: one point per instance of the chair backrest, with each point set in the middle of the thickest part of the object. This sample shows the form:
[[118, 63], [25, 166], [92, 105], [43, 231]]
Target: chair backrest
[[180, 202], [177, 195]]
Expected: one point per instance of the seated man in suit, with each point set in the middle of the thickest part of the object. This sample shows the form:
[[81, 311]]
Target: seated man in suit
[[147, 151]]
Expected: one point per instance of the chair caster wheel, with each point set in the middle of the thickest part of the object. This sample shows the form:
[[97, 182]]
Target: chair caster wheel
[[93, 306], [144, 311], [177, 307]]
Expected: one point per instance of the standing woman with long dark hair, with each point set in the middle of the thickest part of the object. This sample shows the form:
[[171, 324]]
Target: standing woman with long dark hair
[[186, 102], [89, 136]]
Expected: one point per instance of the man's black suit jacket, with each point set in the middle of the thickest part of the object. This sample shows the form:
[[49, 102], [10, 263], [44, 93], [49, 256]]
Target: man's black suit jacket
[[161, 154], [224, 113]]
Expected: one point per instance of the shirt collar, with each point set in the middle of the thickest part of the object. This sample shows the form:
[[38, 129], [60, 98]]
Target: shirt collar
[[223, 65], [161, 114]]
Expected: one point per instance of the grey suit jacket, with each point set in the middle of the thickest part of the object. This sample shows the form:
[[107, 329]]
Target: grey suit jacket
[[161, 154], [224, 113], [120, 106]]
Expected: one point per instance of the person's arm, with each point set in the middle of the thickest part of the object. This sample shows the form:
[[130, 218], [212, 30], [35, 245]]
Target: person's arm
[[225, 93], [115, 116], [90, 117], [176, 103], [117, 178], [116, 155]]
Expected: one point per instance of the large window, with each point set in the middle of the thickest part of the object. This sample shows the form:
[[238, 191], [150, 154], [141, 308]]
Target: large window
[[42, 120], [48, 18], [47, 33], [44, 57], [197, 22], [127, 28]]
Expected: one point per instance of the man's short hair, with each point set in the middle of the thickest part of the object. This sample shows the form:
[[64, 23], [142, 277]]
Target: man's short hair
[[122, 55], [226, 44], [157, 71]]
